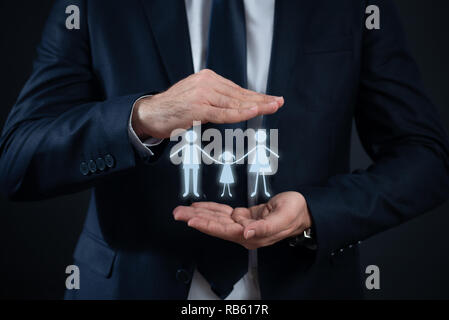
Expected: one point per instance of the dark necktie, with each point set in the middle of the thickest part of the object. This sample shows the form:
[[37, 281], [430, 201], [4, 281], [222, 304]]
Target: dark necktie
[[223, 263]]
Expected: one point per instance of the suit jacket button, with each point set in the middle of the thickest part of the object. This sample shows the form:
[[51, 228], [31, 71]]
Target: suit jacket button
[[92, 166], [183, 276], [101, 165], [84, 169], [110, 162]]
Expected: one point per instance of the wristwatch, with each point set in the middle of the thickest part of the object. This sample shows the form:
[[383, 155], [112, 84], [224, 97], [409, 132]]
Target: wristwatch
[[305, 239]]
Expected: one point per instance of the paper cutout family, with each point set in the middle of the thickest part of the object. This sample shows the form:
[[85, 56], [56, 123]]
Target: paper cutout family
[[191, 161]]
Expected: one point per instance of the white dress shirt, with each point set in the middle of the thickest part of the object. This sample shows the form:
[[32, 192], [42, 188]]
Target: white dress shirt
[[259, 15]]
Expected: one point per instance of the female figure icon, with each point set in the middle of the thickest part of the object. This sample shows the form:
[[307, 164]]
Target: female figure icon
[[227, 177], [261, 163]]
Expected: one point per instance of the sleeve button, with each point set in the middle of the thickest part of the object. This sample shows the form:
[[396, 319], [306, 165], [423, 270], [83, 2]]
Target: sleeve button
[[101, 165], [110, 162], [84, 169], [92, 166]]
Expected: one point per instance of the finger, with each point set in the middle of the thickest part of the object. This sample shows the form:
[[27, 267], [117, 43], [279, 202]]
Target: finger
[[259, 211], [253, 213], [235, 89], [183, 213], [213, 206], [264, 97], [218, 217], [243, 221], [220, 100], [230, 232], [241, 213], [242, 216], [247, 95], [220, 115], [229, 88], [267, 227]]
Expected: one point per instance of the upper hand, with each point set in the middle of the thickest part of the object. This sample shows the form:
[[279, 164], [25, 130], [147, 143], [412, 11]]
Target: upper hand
[[285, 215], [204, 96]]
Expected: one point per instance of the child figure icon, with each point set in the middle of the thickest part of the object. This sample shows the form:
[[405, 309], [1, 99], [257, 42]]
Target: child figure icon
[[227, 177]]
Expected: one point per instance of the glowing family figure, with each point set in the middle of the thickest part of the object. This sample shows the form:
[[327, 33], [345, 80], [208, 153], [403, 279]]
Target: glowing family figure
[[191, 160]]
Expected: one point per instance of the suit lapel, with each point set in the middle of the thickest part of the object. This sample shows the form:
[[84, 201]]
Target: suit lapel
[[290, 25], [168, 22]]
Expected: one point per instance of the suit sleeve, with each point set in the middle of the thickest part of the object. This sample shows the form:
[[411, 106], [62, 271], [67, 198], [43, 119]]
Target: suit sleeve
[[62, 135], [400, 130]]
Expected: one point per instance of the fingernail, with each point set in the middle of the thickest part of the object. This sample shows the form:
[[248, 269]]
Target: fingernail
[[191, 223], [253, 109], [250, 234]]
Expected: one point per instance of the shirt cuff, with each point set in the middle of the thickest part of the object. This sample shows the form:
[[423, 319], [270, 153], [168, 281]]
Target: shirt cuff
[[143, 149]]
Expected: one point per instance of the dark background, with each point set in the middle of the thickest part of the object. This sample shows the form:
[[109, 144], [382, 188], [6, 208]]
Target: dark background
[[37, 239]]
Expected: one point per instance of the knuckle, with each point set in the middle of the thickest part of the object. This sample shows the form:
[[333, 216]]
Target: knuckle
[[228, 208], [206, 73], [223, 115], [244, 92], [235, 104], [241, 112], [266, 229], [266, 99], [197, 81]]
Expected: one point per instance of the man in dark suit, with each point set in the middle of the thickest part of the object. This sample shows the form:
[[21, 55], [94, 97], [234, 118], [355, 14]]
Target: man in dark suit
[[103, 99]]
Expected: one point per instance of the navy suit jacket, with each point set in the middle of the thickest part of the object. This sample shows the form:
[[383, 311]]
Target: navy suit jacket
[[74, 111]]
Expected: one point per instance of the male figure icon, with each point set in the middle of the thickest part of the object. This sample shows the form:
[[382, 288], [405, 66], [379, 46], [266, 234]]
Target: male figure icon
[[191, 160]]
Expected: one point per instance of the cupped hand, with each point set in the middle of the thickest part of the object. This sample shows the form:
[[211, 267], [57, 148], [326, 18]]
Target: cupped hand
[[204, 96], [283, 216]]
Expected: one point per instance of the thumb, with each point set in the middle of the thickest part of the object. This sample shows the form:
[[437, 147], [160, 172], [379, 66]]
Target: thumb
[[268, 226]]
